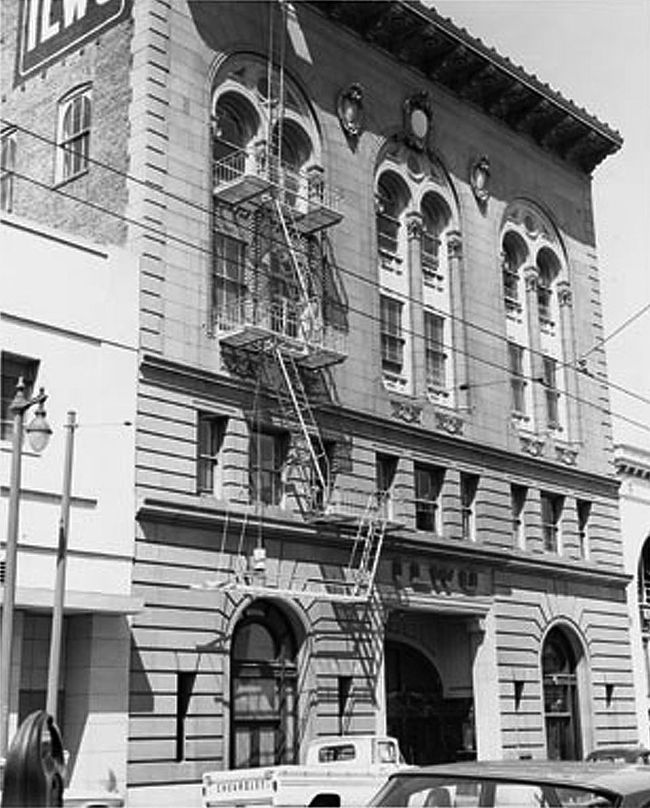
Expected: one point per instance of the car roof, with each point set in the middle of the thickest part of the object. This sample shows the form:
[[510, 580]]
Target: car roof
[[620, 777]]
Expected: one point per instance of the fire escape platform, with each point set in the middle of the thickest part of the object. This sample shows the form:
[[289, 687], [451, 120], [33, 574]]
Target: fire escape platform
[[241, 189], [318, 217]]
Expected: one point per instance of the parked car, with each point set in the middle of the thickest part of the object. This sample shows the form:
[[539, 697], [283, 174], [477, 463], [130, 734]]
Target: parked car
[[518, 784], [621, 754]]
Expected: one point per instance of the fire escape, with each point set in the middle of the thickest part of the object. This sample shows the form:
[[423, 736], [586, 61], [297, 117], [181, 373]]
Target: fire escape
[[288, 334]]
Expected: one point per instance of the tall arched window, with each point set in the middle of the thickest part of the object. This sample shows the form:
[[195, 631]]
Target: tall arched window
[[263, 688], [561, 704], [392, 198], [73, 134]]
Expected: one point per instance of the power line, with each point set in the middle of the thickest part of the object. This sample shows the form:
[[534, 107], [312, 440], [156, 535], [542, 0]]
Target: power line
[[616, 331], [452, 348], [579, 365]]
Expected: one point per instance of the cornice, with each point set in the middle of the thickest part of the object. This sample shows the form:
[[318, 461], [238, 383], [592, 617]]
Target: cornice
[[187, 511], [451, 57]]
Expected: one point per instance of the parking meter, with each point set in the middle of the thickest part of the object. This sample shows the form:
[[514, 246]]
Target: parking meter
[[34, 766]]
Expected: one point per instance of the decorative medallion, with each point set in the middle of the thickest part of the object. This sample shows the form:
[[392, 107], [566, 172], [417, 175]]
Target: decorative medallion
[[417, 120], [566, 455], [479, 178], [349, 108], [410, 413], [532, 446], [450, 423]]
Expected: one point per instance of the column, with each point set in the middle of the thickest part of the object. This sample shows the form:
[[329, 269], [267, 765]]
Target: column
[[531, 280], [458, 328], [414, 269], [485, 675], [567, 334]]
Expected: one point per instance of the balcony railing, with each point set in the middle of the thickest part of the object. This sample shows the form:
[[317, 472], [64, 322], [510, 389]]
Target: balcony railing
[[243, 175]]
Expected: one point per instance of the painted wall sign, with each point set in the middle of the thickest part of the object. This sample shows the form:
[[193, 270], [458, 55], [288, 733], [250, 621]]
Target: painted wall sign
[[50, 29]]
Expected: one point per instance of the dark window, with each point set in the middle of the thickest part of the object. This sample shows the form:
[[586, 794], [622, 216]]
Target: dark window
[[561, 698], [386, 469], [7, 169], [435, 356], [468, 489], [184, 686], [428, 487], [583, 512], [552, 505], [264, 705], [74, 135], [392, 342], [549, 380], [518, 494], [285, 294], [211, 433], [13, 368], [388, 208], [517, 381], [544, 294], [228, 281], [510, 278], [268, 452]]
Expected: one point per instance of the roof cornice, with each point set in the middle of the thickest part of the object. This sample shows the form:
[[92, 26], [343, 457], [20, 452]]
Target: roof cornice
[[450, 56]]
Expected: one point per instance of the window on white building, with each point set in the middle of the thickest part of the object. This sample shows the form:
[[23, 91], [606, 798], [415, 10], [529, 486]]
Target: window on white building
[[428, 490], [551, 392], [73, 140], [583, 513], [392, 340], [211, 430], [434, 352], [517, 379], [518, 495], [468, 489], [267, 458]]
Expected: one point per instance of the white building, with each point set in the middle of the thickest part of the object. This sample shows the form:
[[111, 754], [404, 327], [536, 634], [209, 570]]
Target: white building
[[69, 323], [633, 466]]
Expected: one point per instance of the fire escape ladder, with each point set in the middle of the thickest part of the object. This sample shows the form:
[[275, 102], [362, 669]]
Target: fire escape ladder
[[367, 546], [310, 452], [300, 264]]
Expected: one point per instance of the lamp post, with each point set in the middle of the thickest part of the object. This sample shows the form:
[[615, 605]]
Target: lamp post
[[59, 586], [39, 433]]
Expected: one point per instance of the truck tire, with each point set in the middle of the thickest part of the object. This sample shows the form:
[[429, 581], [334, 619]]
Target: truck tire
[[326, 801]]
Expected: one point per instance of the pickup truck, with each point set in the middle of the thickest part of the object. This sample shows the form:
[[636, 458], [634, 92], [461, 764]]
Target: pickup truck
[[338, 771]]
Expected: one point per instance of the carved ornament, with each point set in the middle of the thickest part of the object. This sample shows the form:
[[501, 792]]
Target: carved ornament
[[417, 114], [414, 225], [532, 446], [407, 412], [454, 245], [566, 455], [349, 108], [449, 422], [479, 179]]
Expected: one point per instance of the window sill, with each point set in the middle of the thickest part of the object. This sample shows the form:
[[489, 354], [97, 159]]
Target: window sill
[[394, 382]]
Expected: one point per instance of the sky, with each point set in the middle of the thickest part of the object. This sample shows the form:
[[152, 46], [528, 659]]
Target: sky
[[597, 54]]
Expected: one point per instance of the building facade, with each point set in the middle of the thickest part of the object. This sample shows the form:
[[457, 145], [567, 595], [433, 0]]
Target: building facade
[[633, 468], [69, 324], [375, 493]]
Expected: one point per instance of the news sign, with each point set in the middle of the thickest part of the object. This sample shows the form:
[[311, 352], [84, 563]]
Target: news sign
[[50, 29]]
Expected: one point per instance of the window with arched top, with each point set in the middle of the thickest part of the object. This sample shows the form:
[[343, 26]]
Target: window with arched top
[[391, 200], [236, 124], [561, 697], [263, 688], [513, 256], [548, 270], [435, 222], [73, 138]]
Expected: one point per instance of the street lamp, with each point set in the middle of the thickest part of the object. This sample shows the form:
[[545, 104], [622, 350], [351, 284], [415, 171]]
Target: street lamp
[[38, 432]]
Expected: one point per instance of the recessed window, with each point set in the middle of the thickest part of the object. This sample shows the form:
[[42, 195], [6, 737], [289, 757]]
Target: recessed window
[[12, 368], [392, 341], [551, 505], [389, 207], [228, 281], [267, 457], [518, 494], [517, 380], [74, 135], [551, 392], [184, 686], [468, 489], [385, 470], [434, 352], [428, 489], [7, 169], [211, 433], [583, 512]]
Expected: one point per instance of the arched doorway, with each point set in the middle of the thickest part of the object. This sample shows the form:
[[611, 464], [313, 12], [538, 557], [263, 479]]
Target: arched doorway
[[561, 705], [429, 728], [263, 688]]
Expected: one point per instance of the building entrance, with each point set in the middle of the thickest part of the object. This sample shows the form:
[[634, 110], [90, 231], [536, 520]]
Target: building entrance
[[429, 727]]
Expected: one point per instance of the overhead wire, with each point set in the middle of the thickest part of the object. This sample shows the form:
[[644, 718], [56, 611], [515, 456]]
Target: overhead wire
[[579, 365], [452, 348]]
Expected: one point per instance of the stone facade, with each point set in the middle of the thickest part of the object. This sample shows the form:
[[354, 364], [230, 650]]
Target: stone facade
[[480, 601]]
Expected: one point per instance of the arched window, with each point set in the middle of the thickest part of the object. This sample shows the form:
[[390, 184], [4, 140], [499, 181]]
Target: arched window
[[435, 220], [235, 124], [263, 688], [513, 256], [73, 134], [392, 197], [561, 706], [548, 268]]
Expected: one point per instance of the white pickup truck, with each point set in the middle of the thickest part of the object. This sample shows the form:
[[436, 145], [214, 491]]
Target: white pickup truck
[[338, 771]]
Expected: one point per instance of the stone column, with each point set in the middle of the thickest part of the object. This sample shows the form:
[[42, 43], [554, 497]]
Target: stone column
[[414, 269], [458, 329], [531, 280], [567, 334]]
